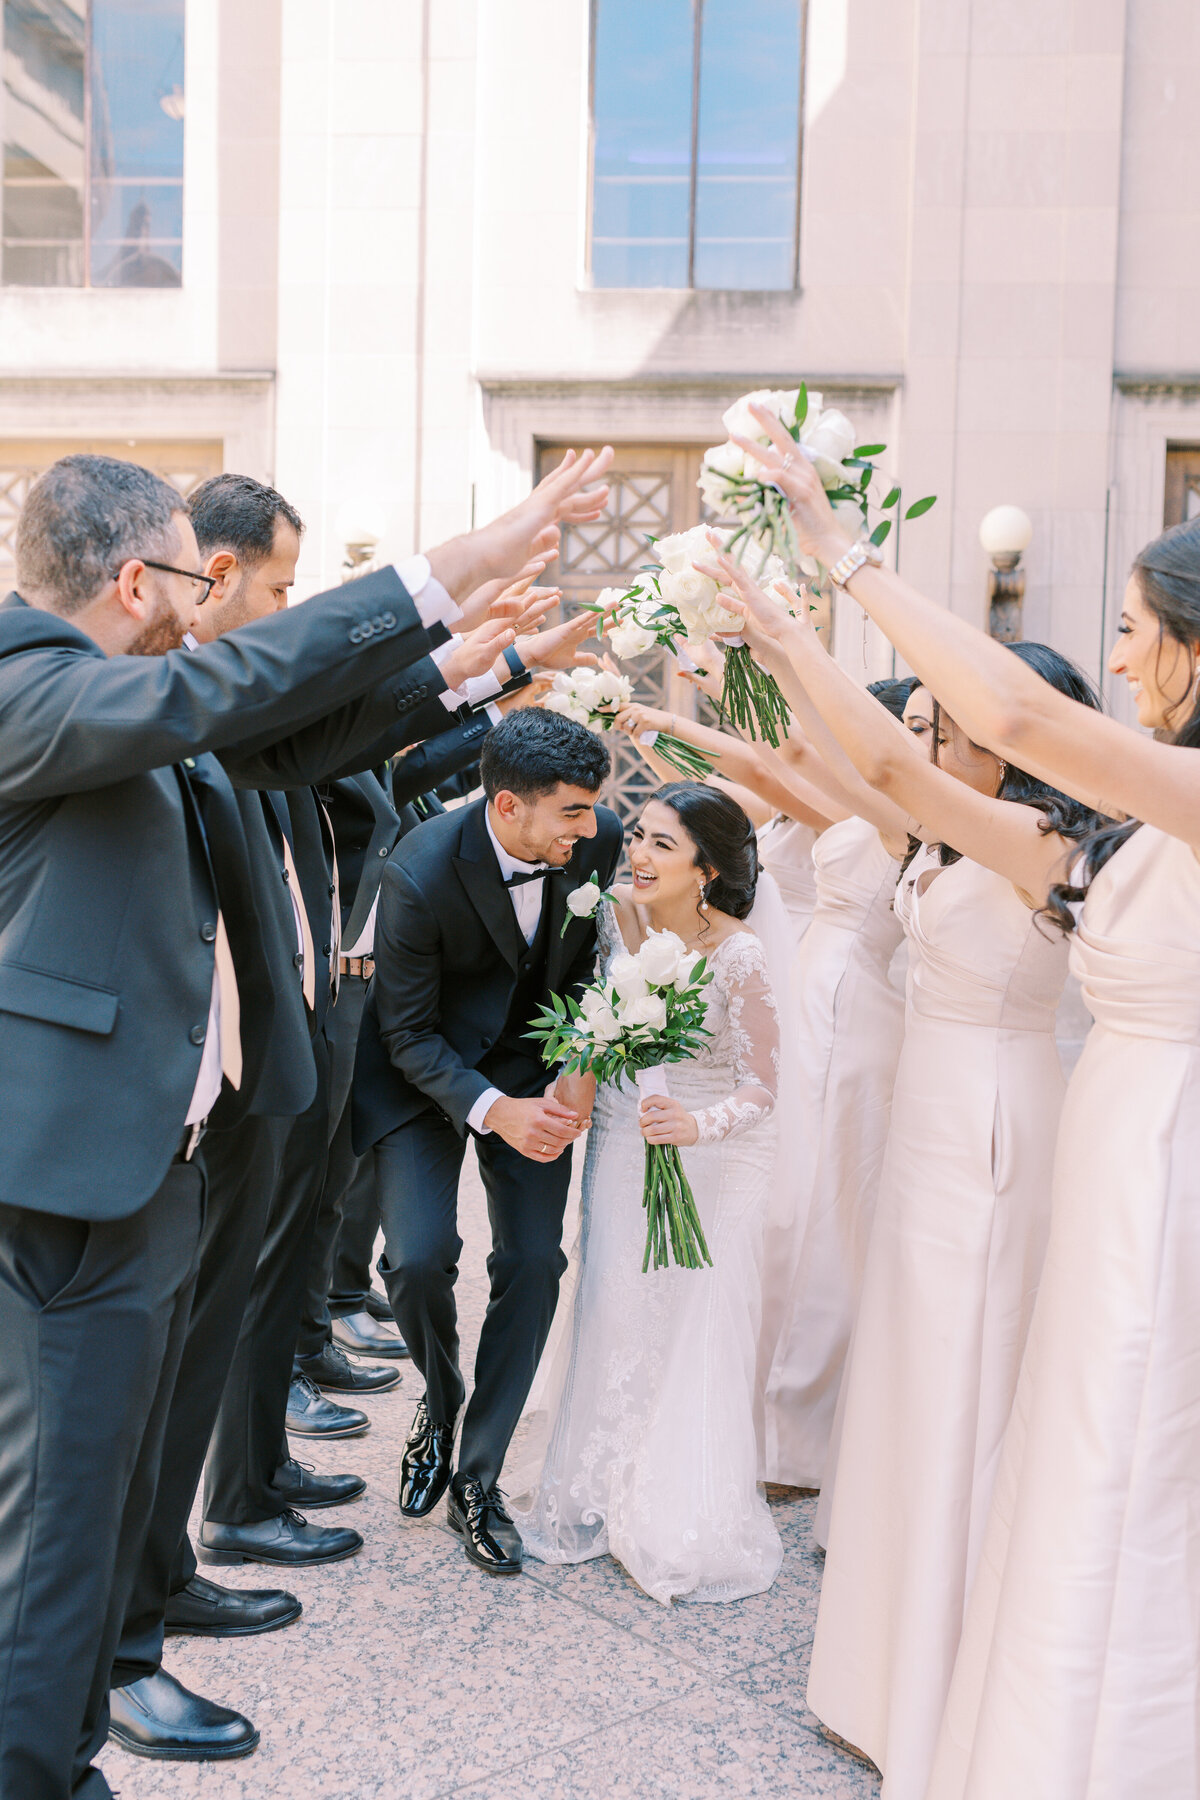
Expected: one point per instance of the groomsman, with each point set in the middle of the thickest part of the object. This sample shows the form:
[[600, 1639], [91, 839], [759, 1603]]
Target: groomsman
[[248, 1132], [120, 1015]]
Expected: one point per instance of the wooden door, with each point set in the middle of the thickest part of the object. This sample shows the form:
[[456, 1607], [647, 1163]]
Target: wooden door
[[1182, 496]]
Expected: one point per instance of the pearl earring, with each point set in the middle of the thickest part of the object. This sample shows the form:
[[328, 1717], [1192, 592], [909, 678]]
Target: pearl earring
[[703, 901]]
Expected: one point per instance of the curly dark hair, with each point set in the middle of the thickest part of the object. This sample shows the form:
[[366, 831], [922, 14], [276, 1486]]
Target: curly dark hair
[[724, 840], [532, 750]]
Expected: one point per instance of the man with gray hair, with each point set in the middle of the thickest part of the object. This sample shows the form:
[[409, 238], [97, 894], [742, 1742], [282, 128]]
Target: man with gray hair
[[119, 1013]]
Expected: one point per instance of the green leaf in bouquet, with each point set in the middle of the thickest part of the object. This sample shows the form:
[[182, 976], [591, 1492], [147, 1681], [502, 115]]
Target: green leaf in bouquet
[[869, 449], [921, 506], [881, 531], [893, 494], [801, 412]]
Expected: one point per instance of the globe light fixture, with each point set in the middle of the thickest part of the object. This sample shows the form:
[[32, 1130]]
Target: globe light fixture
[[1005, 534]]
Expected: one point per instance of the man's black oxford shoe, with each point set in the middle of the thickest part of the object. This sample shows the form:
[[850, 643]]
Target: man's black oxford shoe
[[310, 1414], [363, 1335], [301, 1486], [425, 1464], [332, 1368], [288, 1540], [490, 1538], [157, 1716], [202, 1609]]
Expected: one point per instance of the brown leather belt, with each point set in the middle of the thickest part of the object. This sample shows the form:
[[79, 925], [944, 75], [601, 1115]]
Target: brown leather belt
[[362, 966]]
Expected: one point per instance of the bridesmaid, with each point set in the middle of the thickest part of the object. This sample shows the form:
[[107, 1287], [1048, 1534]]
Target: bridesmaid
[[1076, 1679], [851, 1019], [963, 1210]]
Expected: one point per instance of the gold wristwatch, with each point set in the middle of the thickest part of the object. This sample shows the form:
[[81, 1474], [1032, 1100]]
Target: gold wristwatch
[[852, 561]]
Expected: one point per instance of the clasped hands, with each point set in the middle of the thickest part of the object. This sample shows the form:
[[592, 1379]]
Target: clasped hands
[[542, 1127]]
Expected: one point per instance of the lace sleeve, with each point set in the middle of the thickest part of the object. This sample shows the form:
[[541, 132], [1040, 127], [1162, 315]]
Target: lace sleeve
[[754, 1037]]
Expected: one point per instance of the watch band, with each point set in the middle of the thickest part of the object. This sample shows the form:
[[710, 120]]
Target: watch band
[[513, 658], [852, 561]]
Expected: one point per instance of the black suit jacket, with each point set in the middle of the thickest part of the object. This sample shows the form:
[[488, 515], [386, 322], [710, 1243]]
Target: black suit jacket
[[119, 837], [368, 811], [447, 948]]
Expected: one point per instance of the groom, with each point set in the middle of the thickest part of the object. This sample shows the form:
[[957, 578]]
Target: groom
[[469, 943]]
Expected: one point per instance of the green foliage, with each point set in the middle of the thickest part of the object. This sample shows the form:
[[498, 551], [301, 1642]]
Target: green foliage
[[921, 506]]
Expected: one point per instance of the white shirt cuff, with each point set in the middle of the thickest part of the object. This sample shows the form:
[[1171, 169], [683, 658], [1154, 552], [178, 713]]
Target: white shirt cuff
[[481, 1109], [482, 687], [495, 715], [432, 601]]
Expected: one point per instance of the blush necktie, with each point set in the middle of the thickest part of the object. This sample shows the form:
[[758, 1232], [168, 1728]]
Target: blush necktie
[[309, 970], [231, 1008]]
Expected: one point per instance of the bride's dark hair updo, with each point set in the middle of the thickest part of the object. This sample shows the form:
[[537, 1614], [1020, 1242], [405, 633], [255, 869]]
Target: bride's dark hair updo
[[724, 840]]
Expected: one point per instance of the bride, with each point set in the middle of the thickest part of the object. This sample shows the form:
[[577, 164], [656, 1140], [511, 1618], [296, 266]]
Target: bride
[[650, 1452]]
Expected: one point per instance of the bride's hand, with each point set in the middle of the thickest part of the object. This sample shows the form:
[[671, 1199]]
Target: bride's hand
[[666, 1120], [636, 718]]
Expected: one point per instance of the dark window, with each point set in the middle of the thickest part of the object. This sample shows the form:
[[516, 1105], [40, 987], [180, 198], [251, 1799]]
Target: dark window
[[91, 117], [696, 143]]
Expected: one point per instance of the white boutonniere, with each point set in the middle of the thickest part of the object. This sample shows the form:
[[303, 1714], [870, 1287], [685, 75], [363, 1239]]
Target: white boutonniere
[[582, 902]]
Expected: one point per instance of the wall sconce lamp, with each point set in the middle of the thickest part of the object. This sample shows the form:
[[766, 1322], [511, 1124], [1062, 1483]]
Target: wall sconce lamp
[[358, 528], [1004, 534]]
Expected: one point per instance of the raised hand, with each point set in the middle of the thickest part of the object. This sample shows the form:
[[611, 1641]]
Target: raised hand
[[558, 646], [636, 718], [478, 652], [784, 462], [478, 604]]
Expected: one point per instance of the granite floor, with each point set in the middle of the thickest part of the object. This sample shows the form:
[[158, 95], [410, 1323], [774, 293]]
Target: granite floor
[[411, 1676]]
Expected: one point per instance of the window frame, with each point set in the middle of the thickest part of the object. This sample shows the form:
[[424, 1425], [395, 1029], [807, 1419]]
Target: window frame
[[689, 287], [87, 285]]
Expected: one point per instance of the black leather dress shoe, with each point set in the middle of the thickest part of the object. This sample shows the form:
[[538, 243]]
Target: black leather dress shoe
[[202, 1609], [425, 1464], [333, 1369], [363, 1335], [490, 1538], [289, 1540], [310, 1414], [301, 1486], [157, 1716], [379, 1306]]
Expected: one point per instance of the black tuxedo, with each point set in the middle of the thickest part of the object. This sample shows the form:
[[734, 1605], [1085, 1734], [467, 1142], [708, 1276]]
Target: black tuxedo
[[454, 990], [120, 836]]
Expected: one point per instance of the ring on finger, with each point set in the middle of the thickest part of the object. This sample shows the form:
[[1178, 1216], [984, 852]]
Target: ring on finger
[[543, 1149]]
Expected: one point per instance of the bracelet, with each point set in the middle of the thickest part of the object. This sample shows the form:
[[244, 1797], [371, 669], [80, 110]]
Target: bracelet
[[852, 561]]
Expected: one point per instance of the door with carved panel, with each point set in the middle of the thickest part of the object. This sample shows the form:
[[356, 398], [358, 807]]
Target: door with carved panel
[[1181, 499], [653, 494], [185, 464]]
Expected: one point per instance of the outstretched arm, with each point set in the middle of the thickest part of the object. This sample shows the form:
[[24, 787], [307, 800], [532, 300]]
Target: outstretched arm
[[936, 808], [997, 699]]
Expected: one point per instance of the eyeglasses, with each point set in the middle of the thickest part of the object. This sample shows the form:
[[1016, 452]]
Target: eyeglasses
[[206, 583]]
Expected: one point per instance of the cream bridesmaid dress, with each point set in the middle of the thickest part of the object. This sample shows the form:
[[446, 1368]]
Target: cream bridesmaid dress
[[785, 850], [1079, 1673], [951, 1273], [851, 1022]]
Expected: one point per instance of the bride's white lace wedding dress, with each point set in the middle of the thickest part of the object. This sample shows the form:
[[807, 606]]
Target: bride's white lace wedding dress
[[650, 1453]]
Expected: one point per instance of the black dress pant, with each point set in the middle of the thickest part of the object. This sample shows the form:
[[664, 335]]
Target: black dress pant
[[342, 1031], [418, 1168], [92, 1321], [249, 1440], [350, 1282], [240, 1167]]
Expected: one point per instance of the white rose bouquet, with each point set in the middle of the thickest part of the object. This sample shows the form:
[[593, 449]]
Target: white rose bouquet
[[673, 600], [648, 1011], [732, 486], [594, 697]]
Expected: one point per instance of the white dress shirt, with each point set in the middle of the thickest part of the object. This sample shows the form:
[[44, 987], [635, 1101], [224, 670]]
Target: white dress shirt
[[475, 690], [527, 901]]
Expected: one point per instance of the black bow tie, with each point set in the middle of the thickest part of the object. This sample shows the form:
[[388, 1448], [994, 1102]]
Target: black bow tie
[[511, 881]]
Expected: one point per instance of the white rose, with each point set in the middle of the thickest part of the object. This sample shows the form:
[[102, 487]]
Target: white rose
[[625, 973], [613, 689], [583, 901], [688, 591], [647, 1009], [559, 703], [723, 464], [828, 438], [601, 1020], [659, 957], [688, 963], [680, 550], [739, 421], [609, 598], [631, 639]]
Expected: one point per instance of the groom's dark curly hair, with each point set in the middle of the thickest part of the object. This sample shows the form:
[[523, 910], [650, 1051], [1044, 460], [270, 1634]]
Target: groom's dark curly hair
[[531, 751]]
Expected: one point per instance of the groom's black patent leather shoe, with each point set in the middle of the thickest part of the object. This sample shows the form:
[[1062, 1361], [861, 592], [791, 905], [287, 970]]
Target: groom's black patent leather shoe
[[157, 1716], [490, 1538], [425, 1464]]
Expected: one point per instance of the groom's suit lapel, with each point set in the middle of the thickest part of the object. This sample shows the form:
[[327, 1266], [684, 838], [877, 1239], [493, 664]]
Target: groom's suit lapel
[[479, 872]]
